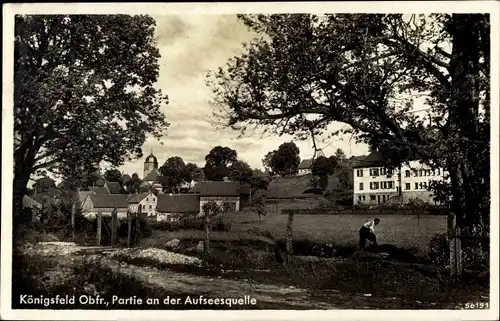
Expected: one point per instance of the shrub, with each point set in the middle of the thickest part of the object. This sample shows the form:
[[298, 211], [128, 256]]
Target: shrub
[[439, 250]]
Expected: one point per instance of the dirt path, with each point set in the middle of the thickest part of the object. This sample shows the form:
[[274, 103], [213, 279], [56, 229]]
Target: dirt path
[[268, 296]]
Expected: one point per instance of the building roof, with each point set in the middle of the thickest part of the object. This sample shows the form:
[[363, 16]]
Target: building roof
[[114, 187], [178, 203], [137, 198], [305, 164], [82, 195], [109, 200], [99, 190], [152, 176], [151, 159], [374, 159], [216, 188]]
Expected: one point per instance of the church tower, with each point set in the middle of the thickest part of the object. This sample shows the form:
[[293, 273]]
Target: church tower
[[150, 164]]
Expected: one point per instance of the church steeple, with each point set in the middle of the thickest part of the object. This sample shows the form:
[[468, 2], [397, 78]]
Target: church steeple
[[150, 164]]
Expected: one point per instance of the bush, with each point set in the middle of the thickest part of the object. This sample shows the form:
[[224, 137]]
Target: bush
[[439, 250]]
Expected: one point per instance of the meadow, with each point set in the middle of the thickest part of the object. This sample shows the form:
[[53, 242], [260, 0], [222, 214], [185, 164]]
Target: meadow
[[403, 231]]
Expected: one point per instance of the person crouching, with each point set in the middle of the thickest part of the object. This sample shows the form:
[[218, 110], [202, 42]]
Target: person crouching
[[368, 233]]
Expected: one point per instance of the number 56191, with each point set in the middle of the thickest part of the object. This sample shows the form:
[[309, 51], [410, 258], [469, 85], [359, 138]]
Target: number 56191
[[477, 305]]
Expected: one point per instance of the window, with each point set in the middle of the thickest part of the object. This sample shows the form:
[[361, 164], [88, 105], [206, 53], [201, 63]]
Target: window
[[374, 172], [383, 171], [372, 197], [143, 207], [359, 173], [407, 186], [374, 185], [390, 185], [416, 185], [154, 199], [384, 185], [364, 198], [359, 198], [438, 172], [407, 173], [390, 172], [150, 206], [361, 186], [147, 199]]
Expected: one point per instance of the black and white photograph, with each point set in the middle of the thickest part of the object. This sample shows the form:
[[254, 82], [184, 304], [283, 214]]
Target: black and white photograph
[[276, 160]]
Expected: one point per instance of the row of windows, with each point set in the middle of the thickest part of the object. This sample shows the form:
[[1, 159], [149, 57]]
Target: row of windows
[[390, 185], [421, 185], [389, 172], [423, 172], [378, 185], [378, 198]]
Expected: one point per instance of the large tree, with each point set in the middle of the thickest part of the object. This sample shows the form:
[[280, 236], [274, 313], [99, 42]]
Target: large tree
[[218, 161], [240, 171], [285, 160], [305, 72], [173, 173], [83, 92], [322, 167]]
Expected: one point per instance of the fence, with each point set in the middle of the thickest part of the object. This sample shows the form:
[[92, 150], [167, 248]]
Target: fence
[[368, 211]]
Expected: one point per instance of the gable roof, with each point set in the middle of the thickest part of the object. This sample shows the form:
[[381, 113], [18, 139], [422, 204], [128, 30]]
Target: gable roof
[[99, 190], [216, 188], [154, 175], [136, 198], [114, 187], [374, 159], [109, 200], [178, 203], [82, 195], [306, 164]]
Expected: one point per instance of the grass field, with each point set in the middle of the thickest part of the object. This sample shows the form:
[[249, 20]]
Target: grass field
[[403, 231]]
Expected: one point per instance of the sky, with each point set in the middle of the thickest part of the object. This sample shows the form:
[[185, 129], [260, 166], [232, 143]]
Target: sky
[[190, 46]]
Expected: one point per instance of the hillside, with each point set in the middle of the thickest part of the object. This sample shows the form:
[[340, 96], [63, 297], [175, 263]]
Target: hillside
[[294, 187]]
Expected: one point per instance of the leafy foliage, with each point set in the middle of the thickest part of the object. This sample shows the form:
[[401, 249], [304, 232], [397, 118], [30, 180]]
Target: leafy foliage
[[44, 184], [304, 72], [175, 172], [113, 175], [84, 92], [212, 208], [217, 163], [258, 203], [240, 171], [285, 160]]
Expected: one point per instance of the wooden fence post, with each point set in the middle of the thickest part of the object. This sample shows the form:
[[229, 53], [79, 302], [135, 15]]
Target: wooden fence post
[[137, 235], [129, 231], [99, 227], [114, 227], [73, 213], [455, 246], [206, 247]]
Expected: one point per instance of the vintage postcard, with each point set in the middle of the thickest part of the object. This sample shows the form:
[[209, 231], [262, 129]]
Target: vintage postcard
[[250, 161]]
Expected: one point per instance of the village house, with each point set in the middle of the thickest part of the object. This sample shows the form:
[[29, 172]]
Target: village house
[[376, 183], [147, 203], [225, 194], [34, 202], [105, 203], [172, 207]]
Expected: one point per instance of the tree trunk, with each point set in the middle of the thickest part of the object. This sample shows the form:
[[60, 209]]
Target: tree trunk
[[464, 115]]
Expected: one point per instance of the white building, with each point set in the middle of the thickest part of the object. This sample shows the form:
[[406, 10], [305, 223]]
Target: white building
[[105, 203], [374, 183], [146, 201], [225, 194]]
